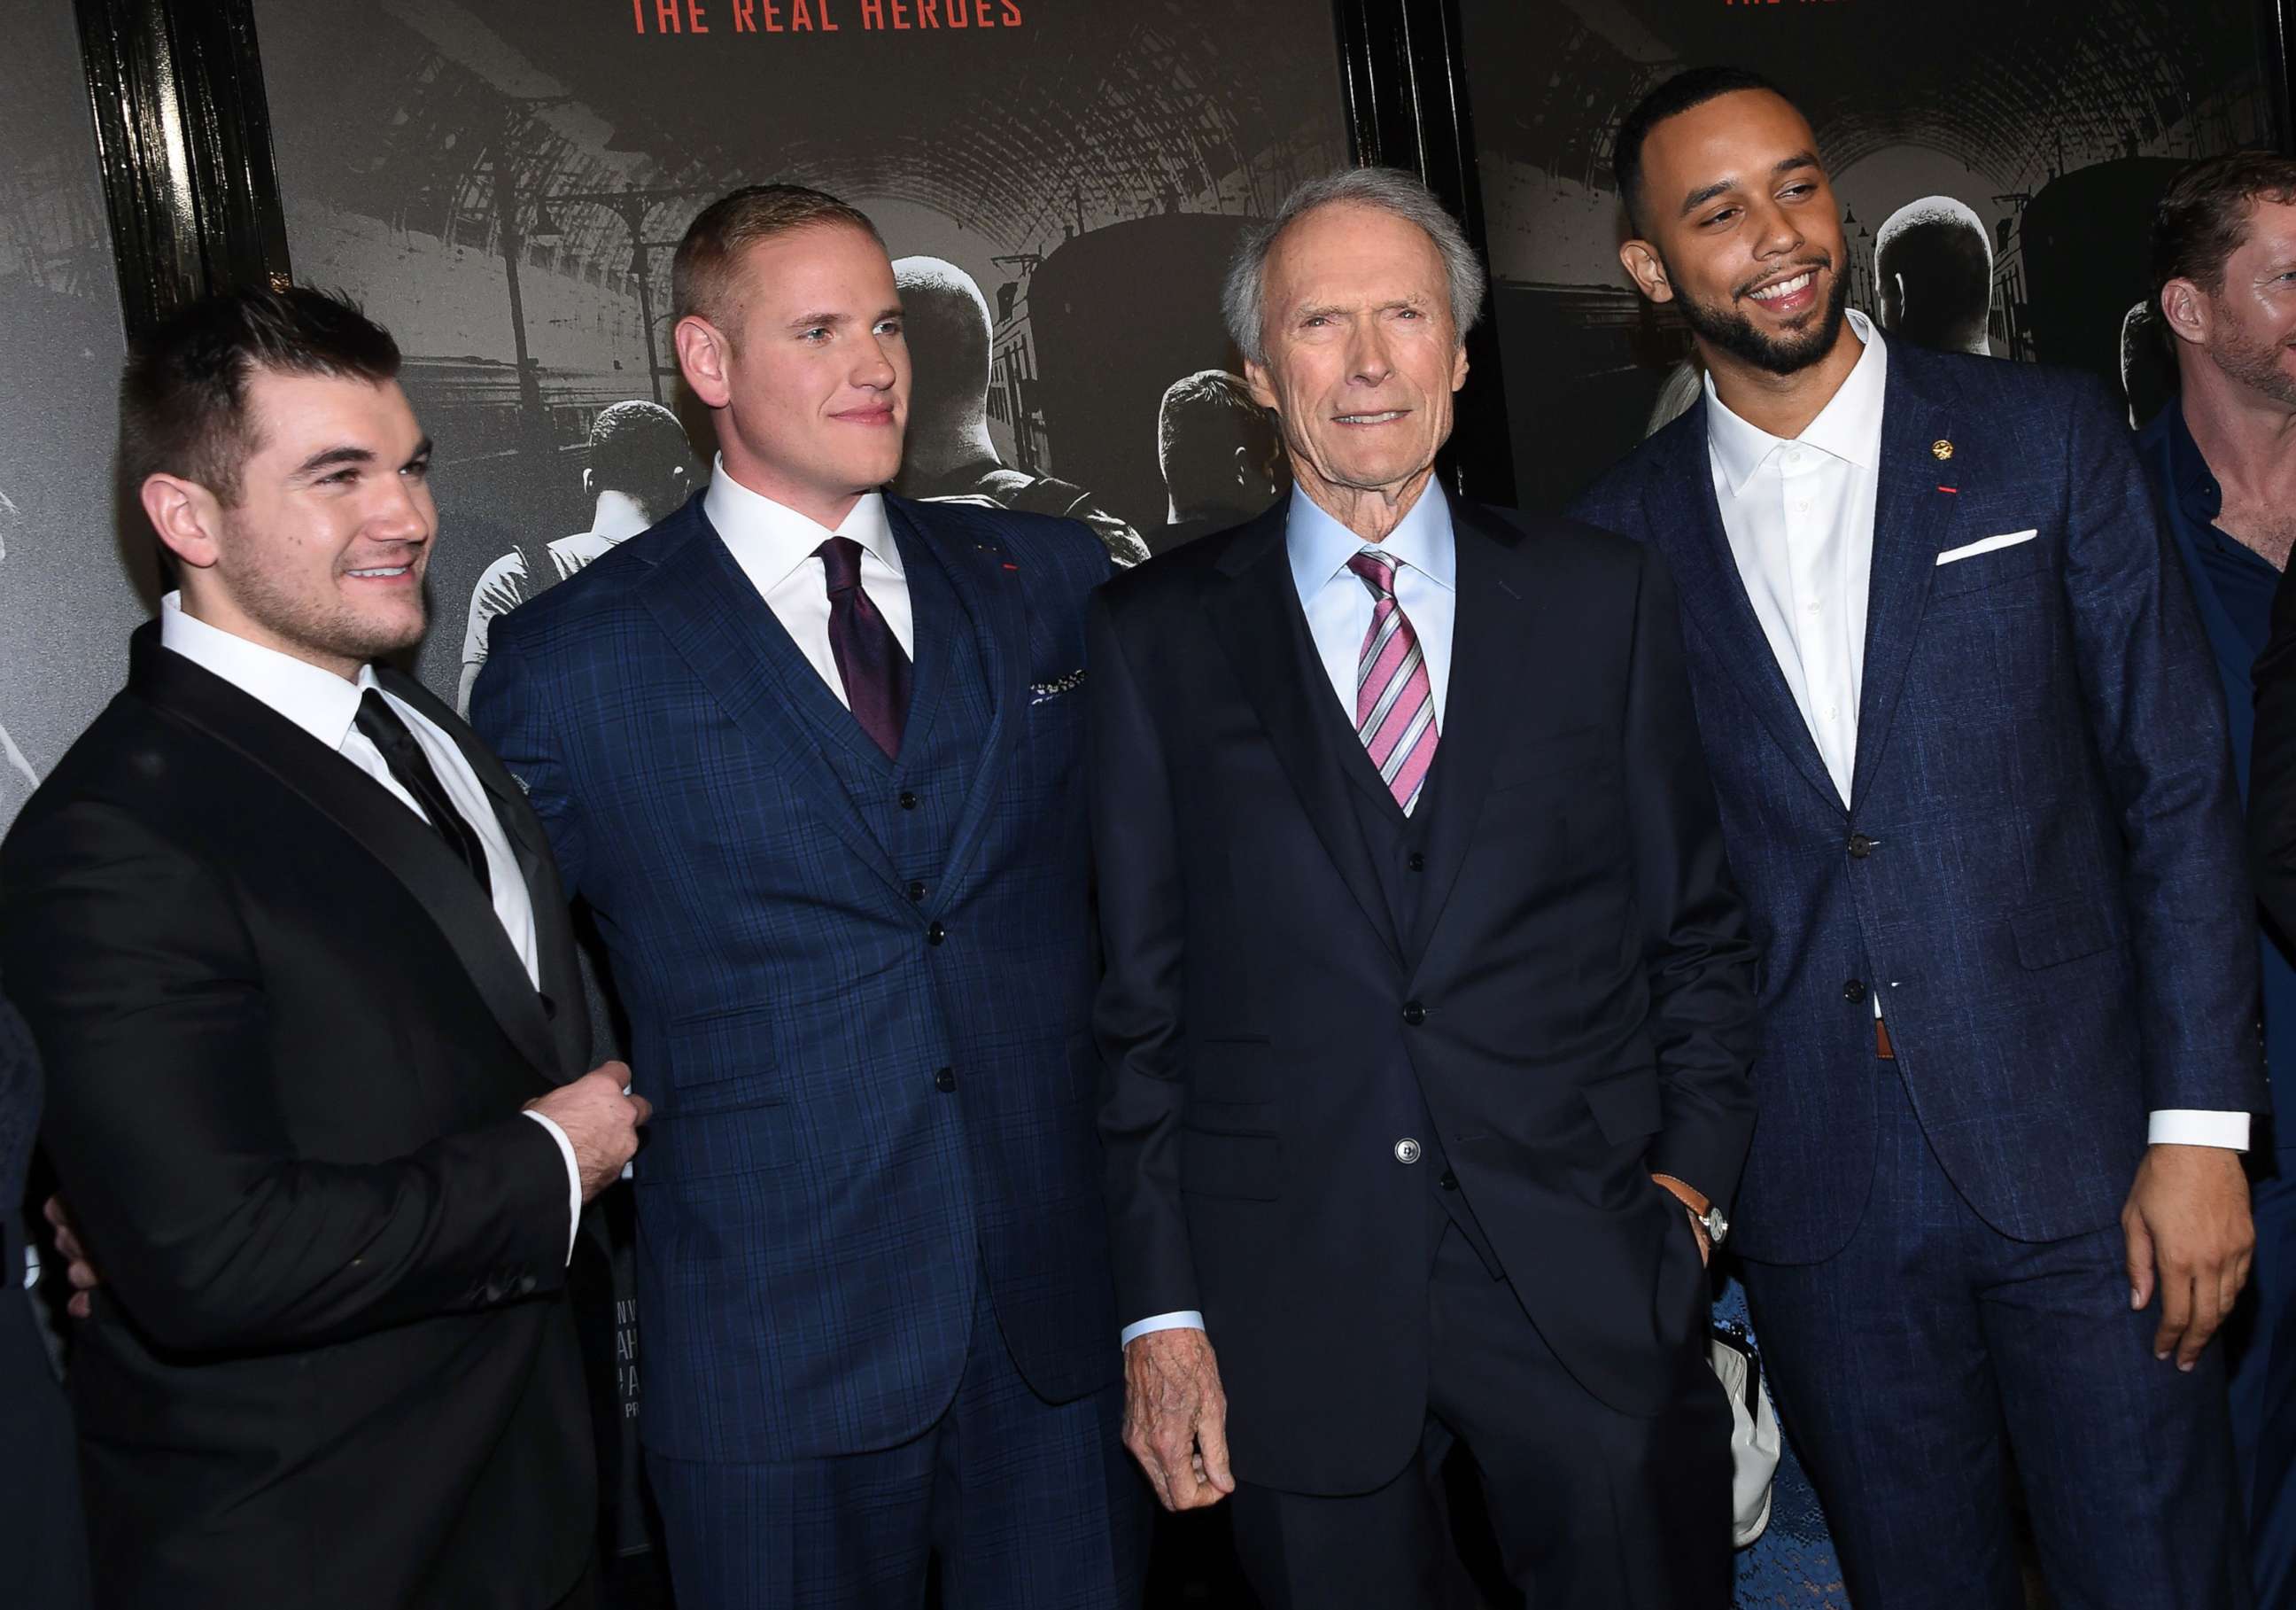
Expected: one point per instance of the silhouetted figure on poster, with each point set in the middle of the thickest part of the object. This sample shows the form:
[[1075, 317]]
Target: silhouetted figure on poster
[[641, 468], [1933, 266], [948, 457], [1222, 460]]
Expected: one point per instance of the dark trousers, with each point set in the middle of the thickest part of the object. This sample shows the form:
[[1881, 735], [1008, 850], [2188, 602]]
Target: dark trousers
[[1592, 1509], [2261, 1349], [1023, 1505], [43, 1545], [1910, 1368]]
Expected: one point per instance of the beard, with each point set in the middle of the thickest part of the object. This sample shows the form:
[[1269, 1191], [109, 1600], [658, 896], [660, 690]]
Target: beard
[[332, 626], [2254, 363], [1734, 333]]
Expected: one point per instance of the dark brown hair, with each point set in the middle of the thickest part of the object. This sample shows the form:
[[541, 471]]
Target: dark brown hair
[[2203, 216], [701, 274], [183, 397]]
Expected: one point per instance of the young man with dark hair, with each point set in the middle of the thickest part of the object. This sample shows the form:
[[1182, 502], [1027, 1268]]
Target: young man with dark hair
[[295, 959], [2222, 458], [1974, 782]]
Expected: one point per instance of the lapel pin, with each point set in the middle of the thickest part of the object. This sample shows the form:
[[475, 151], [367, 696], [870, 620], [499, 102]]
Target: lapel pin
[[1942, 447]]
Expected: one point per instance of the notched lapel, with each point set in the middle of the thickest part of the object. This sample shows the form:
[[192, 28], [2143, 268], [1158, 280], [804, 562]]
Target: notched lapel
[[709, 612], [1498, 620], [1256, 615], [1686, 526], [1911, 514], [990, 590]]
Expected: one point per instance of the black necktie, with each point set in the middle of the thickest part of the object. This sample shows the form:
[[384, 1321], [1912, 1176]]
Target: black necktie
[[869, 657], [412, 769]]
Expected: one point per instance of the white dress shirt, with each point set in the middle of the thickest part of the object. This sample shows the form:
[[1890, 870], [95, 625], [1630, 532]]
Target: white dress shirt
[[326, 706], [1798, 515], [776, 547], [1339, 609]]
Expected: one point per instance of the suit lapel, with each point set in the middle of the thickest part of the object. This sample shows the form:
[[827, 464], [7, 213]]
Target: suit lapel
[[1686, 526], [741, 655], [1497, 623], [1254, 613], [554, 927], [988, 589], [1910, 514], [372, 817]]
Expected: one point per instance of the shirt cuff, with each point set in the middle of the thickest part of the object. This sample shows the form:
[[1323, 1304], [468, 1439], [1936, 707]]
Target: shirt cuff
[[573, 1177], [1185, 1318], [2189, 1127]]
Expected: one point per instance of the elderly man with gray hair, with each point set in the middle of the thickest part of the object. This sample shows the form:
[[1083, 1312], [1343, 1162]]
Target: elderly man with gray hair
[[1428, 1000]]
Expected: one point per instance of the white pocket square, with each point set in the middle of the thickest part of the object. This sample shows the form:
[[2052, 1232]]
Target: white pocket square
[[2008, 539]]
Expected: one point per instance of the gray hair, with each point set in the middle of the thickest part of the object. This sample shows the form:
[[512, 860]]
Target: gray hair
[[1390, 190]]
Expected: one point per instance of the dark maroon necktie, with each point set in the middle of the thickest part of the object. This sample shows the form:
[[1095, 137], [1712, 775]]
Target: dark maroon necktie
[[869, 657]]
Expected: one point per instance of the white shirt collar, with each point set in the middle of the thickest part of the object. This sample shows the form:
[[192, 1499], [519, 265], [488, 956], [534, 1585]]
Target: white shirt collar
[[317, 701], [772, 540], [1848, 428], [1320, 546]]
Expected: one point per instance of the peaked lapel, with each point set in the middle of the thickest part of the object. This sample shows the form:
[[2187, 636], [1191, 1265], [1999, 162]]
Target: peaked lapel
[[988, 587], [1910, 516], [1686, 526], [372, 817], [1256, 615], [748, 662], [1498, 621], [562, 999]]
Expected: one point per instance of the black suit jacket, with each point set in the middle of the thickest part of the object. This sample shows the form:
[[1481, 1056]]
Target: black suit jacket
[[287, 1041], [1570, 1002]]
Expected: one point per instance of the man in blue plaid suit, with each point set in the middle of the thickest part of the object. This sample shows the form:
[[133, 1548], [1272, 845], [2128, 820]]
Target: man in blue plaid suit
[[810, 753]]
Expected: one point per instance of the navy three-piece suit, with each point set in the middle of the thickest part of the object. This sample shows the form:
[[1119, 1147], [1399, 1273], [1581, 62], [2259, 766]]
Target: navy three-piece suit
[[859, 988], [2039, 875]]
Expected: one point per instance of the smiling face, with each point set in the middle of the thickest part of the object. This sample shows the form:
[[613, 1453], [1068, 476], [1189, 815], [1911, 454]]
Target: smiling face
[[810, 374], [322, 555], [2250, 329], [1740, 228], [1363, 355]]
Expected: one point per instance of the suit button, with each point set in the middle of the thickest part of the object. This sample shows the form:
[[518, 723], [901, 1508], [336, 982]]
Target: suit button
[[1449, 1181], [1853, 991], [526, 1285], [1406, 1150], [945, 1080], [1860, 847], [1414, 1013], [916, 891], [1417, 862], [909, 800], [935, 934]]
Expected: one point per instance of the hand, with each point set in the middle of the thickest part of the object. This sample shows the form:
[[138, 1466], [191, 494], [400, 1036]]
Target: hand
[[2187, 1217], [600, 1121], [1176, 1418], [78, 1271]]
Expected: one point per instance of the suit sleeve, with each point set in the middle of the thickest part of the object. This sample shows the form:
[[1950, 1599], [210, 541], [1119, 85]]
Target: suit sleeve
[[2156, 713], [127, 958], [507, 712], [2272, 769], [1136, 1018], [1698, 953]]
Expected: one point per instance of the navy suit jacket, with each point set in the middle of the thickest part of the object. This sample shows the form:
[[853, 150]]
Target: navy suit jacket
[[850, 1122], [2041, 867]]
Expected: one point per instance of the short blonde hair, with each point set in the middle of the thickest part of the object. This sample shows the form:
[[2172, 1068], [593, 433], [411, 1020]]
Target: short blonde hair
[[701, 274]]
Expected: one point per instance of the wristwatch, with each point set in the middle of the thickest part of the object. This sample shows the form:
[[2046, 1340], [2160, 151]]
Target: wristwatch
[[1702, 1212]]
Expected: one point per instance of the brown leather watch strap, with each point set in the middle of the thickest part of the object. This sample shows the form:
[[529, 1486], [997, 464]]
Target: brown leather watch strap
[[1692, 1198]]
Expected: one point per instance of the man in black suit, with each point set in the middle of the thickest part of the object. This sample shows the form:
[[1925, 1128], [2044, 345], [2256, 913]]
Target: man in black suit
[[294, 953], [1427, 1000]]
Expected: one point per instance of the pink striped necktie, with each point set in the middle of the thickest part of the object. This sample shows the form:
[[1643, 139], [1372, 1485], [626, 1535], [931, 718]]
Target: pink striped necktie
[[1395, 701]]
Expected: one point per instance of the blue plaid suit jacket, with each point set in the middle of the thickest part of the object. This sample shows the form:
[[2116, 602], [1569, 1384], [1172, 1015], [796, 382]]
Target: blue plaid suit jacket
[[2040, 868], [814, 1208]]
